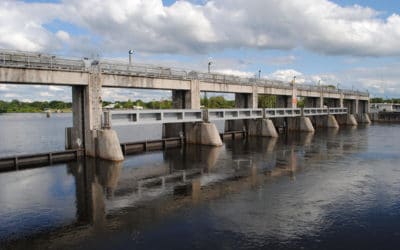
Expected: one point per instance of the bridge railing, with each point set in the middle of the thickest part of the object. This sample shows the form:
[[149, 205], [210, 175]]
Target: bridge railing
[[39, 60], [142, 70]]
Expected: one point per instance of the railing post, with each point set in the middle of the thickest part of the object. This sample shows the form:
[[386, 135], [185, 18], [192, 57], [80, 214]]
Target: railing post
[[106, 120], [205, 115]]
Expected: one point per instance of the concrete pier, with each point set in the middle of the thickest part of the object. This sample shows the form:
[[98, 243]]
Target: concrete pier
[[306, 125], [351, 120], [363, 118], [203, 133], [262, 127], [332, 123], [108, 146]]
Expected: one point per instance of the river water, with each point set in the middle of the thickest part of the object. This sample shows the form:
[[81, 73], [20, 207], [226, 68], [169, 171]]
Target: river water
[[328, 190]]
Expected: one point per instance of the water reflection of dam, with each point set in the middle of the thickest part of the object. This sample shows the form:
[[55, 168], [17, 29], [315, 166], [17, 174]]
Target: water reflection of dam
[[146, 190]]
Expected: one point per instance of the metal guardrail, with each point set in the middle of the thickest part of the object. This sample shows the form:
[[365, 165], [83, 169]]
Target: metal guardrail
[[323, 111], [10, 58], [131, 117], [232, 114], [282, 112], [42, 61], [125, 117]]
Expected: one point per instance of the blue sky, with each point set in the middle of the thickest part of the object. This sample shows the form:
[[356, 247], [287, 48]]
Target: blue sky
[[353, 43]]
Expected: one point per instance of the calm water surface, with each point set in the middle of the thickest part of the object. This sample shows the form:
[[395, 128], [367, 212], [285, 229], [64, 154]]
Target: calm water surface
[[334, 189], [33, 133]]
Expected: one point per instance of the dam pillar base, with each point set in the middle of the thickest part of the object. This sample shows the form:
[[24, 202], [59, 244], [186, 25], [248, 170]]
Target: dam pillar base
[[104, 144], [203, 133], [351, 120], [306, 125], [364, 118], [262, 127], [332, 123], [108, 146]]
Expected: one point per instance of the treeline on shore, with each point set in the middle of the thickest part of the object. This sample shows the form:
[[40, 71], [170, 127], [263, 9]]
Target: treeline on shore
[[382, 100], [264, 101], [16, 106]]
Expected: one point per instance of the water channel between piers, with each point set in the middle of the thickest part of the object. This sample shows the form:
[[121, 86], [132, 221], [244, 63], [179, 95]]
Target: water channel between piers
[[332, 189]]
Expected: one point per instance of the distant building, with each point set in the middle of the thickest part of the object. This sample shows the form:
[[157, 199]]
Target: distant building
[[384, 107], [138, 107]]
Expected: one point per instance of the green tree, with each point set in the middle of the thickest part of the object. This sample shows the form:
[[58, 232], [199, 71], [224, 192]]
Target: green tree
[[266, 101]]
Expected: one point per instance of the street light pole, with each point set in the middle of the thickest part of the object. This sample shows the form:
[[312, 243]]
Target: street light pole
[[259, 74], [130, 56], [209, 66]]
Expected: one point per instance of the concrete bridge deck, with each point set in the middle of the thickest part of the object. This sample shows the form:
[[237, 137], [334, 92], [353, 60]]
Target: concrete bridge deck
[[37, 68]]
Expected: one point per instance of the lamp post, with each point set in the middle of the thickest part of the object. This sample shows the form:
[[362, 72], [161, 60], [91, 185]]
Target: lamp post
[[259, 74], [209, 66], [130, 56]]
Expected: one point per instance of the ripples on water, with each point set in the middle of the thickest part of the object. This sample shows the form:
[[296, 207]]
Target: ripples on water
[[334, 189]]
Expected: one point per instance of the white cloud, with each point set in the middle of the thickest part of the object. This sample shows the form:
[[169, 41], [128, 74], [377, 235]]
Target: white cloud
[[45, 94], [287, 75], [22, 26], [184, 27], [3, 87], [63, 35], [10, 95], [56, 88], [236, 72]]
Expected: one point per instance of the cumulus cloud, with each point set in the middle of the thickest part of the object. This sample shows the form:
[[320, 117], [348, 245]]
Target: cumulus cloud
[[189, 27], [236, 72], [23, 26], [287, 75]]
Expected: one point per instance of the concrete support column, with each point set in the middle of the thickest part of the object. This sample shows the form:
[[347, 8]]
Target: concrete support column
[[75, 139], [183, 99], [351, 120], [192, 97], [341, 100], [302, 124], [246, 100], [364, 118], [203, 133], [262, 127], [327, 121], [306, 125], [243, 100], [321, 100], [92, 110], [357, 111], [87, 128], [187, 99], [312, 102], [332, 123], [282, 101]]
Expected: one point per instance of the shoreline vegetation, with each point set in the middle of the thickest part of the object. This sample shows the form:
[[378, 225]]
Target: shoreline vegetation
[[264, 101], [17, 106]]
